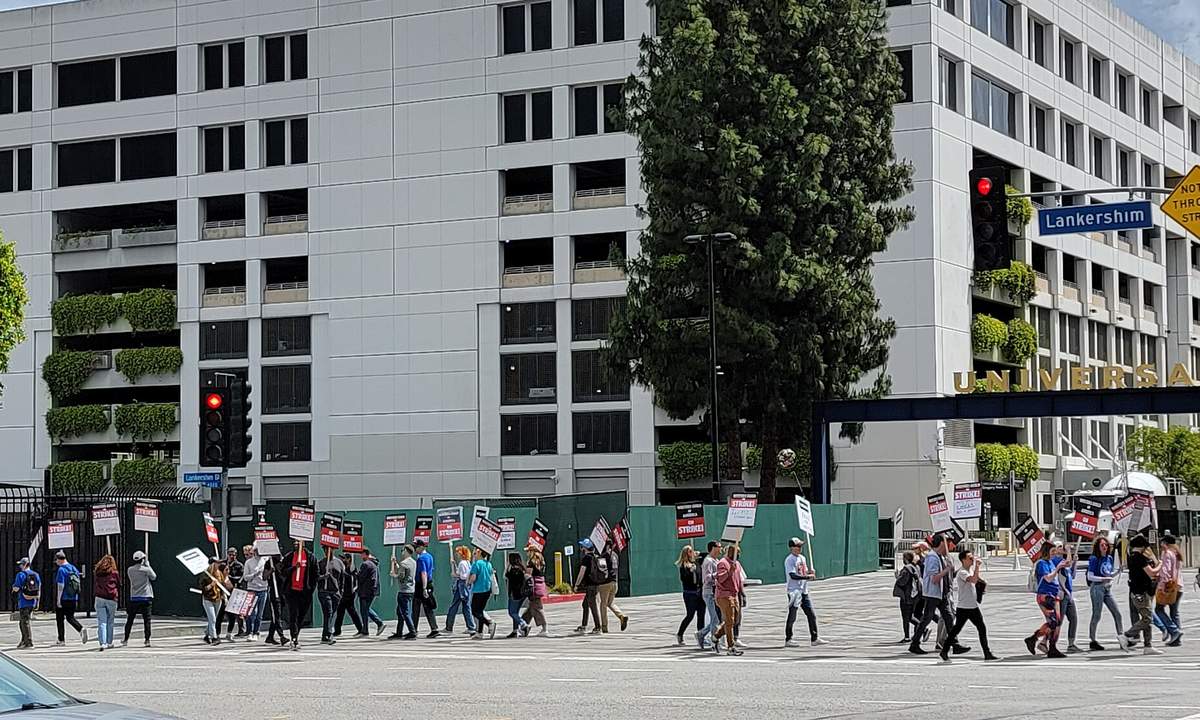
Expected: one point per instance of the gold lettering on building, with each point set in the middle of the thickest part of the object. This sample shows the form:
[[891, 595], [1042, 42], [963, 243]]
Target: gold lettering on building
[[1050, 378], [1179, 376], [1146, 377], [997, 382], [1111, 377], [1077, 377], [1081, 378], [964, 382]]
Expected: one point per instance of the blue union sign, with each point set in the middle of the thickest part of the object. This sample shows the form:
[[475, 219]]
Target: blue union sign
[[1095, 218]]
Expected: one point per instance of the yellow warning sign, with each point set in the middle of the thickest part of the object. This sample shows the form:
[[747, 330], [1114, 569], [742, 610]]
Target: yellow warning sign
[[1183, 205]]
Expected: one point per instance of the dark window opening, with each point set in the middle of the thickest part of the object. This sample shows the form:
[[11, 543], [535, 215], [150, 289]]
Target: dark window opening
[[529, 181], [214, 67], [299, 59], [286, 336], [6, 171], [520, 255], [1039, 258], [539, 26], [585, 22], [237, 147], [527, 379], [224, 340], [527, 323], [906, 74], [1098, 278], [160, 215], [600, 432], [601, 247], [614, 20], [90, 161], [225, 208], [286, 270], [1069, 268], [214, 149], [284, 442], [585, 111], [275, 142], [25, 168], [287, 202], [228, 275], [148, 75], [274, 50], [591, 317], [24, 90], [513, 20], [591, 381], [514, 118], [529, 434], [540, 108], [237, 64], [299, 141], [601, 174], [287, 389], [148, 156], [6, 93], [613, 104], [87, 82]]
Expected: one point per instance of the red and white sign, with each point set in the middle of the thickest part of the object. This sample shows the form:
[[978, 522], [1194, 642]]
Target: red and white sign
[[210, 529], [302, 521], [1143, 516], [968, 501], [599, 536], [423, 529], [742, 509], [145, 516], [689, 520], [486, 536], [239, 603], [352, 536], [939, 512], [620, 535], [105, 520], [538, 535], [1122, 513], [331, 530], [1086, 518], [395, 530], [508, 533], [60, 534], [449, 524], [1030, 537], [266, 541]]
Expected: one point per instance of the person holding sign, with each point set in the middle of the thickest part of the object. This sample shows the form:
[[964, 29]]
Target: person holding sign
[[141, 595], [1100, 575], [1144, 570], [106, 583], [66, 599], [423, 597], [460, 571], [483, 582], [797, 573], [1049, 565], [515, 577], [1069, 612], [405, 572], [301, 581], [729, 592], [329, 592], [348, 598], [214, 586], [935, 589], [689, 578]]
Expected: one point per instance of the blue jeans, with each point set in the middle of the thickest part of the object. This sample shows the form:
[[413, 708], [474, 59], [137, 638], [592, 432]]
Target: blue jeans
[[106, 615], [404, 613], [462, 602], [1102, 598], [254, 619], [329, 606], [714, 616], [514, 612], [210, 612], [367, 613], [1166, 617]]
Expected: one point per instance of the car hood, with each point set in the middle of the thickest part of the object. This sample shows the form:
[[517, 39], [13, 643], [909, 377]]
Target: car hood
[[91, 711]]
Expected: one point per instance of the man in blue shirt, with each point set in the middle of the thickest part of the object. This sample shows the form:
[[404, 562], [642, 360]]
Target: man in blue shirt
[[28, 587], [67, 583], [423, 595]]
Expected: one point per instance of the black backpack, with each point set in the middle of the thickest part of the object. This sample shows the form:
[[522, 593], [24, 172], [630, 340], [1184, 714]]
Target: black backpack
[[598, 569], [31, 589], [904, 583]]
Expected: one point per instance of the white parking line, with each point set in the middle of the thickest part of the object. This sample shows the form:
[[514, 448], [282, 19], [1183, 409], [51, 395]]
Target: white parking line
[[896, 702], [900, 674], [573, 680], [992, 687], [639, 670], [149, 692], [677, 697], [409, 694]]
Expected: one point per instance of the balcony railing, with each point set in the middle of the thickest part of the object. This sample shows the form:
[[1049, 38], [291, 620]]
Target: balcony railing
[[222, 229], [528, 276], [598, 271], [286, 292], [528, 204], [599, 198], [285, 224], [225, 296]]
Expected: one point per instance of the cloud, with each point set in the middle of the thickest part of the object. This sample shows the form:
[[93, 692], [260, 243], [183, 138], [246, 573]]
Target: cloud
[[1177, 21]]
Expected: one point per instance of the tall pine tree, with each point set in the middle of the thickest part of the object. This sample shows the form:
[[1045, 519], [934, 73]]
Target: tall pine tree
[[771, 120]]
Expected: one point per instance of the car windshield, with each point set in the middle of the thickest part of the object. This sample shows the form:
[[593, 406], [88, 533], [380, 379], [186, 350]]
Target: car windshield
[[21, 689]]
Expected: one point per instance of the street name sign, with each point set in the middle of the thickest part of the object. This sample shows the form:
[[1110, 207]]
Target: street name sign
[[1097, 218]]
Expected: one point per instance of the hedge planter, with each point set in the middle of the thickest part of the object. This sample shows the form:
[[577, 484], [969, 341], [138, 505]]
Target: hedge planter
[[78, 477], [84, 314], [147, 421], [138, 237], [76, 421], [82, 240], [150, 309], [137, 363], [65, 372], [143, 473]]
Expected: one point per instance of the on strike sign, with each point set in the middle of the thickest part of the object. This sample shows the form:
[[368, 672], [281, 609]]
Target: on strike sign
[[1087, 517], [105, 520], [210, 529], [302, 520], [424, 528], [968, 500], [939, 512], [352, 536], [486, 536], [449, 524], [689, 520], [742, 509], [395, 530], [538, 535], [1030, 537], [60, 534], [145, 516], [508, 533], [1122, 512], [266, 542], [331, 530]]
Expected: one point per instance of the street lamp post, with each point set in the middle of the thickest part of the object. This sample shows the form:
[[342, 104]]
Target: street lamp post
[[708, 241]]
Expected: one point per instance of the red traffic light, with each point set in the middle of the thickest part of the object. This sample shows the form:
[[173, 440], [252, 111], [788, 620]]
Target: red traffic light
[[213, 401], [984, 186]]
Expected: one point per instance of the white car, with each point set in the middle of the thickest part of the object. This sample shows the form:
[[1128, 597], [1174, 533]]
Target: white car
[[25, 695]]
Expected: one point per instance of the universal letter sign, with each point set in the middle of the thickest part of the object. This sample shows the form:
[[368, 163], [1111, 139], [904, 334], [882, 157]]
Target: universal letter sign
[[1183, 205]]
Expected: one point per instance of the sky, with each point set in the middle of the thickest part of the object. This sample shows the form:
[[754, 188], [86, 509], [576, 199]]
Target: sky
[[1176, 20]]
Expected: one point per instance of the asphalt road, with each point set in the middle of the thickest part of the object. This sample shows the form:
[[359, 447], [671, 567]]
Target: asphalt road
[[642, 673]]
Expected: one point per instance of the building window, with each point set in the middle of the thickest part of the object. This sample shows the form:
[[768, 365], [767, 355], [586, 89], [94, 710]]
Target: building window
[[598, 18], [948, 83], [1098, 163], [285, 57], [600, 432], [1124, 346], [993, 105], [87, 162], [528, 379], [83, 83], [224, 148], [995, 18], [1069, 149], [20, 82], [223, 340], [529, 434], [286, 336], [525, 26], [149, 75], [1039, 32], [1097, 78], [148, 156], [591, 381], [224, 65], [289, 441], [16, 169], [1068, 334], [591, 317], [592, 105], [1098, 341], [1037, 128], [528, 115], [287, 389], [1070, 49], [1194, 134], [904, 57], [1148, 107], [285, 142], [1123, 162], [522, 323], [1124, 82], [1041, 319]]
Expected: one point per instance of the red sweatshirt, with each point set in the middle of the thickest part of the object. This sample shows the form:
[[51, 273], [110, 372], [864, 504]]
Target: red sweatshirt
[[729, 579]]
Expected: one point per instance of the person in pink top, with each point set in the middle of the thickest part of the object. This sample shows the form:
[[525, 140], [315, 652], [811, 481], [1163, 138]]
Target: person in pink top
[[1168, 592], [728, 593]]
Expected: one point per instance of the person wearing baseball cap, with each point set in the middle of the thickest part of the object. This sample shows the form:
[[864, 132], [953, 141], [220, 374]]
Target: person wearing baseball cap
[[141, 595], [588, 581], [28, 587], [797, 574], [67, 583]]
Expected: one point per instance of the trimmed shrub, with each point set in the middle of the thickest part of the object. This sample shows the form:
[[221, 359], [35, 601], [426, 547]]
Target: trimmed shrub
[[1022, 341], [76, 314], [65, 372], [986, 333], [150, 309], [135, 363], [145, 421], [143, 472], [77, 477], [76, 420]]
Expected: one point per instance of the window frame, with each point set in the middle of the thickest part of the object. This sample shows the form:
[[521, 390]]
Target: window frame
[[601, 30], [226, 53], [227, 145], [615, 421], [542, 424], [948, 86], [234, 329], [291, 395], [289, 127], [994, 87], [546, 39], [291, 70], [599, 93], [543, 368], [268, 329], [271, 433], [529, 121]]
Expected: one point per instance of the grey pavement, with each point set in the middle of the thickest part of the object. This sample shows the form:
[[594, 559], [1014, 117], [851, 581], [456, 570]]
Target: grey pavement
[[642, 673]]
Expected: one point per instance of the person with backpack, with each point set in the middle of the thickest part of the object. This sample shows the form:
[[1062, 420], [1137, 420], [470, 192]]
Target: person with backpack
[[67, 584], [970, 593], [606, 591], [425, 603], [106, 584], [588, 580], [28, 587], [906, 589], [518, 592], [483, 585], [141, 595], [1144, 571], [536, 568]]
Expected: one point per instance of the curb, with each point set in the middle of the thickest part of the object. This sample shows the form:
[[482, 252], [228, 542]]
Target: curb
[[558, 599]]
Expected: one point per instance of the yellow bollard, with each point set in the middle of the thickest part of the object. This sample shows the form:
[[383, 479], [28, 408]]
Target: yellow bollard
[[558, 568]]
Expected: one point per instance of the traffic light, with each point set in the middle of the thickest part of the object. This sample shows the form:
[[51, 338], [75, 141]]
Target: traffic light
[[214, 427], [239, 439], [989, 219]]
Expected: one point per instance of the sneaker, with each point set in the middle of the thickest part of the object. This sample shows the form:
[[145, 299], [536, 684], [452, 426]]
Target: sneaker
[[624, 622], [819, 641], [476, 636], [146, 644], [378, 629], [125, 642], [1166, 635], [215, 642], [1073, 648], [904, 641], [734, 651], [1055, 654], [701, 639], [295, 644], [580, 630], [511, 635], [83, 634], [917, 650], [960, 649], [1175, 640], [944, 656], [717, 647], [989, 656], [544, 632], [432, 635], [1031, 643], [61, 643], [1125, 643], [491, 631], [272, 641], [228, 637], [1095, 646], [410, 636], [739, 643], [791, 643], [254, 638], [524, 632], [1152, 651], [595, 631]]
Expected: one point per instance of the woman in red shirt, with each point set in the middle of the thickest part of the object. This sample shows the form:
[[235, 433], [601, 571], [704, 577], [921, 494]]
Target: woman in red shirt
[[106, 582], [728, 594]]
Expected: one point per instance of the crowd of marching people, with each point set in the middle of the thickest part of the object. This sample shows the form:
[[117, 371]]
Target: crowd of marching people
[[939, 589]]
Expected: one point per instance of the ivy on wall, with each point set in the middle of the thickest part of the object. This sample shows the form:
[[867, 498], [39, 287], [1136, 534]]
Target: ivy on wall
[[143, 472], [146, 421], [77, 477], [76, 314], [150, 309], [76, 420], [13, 299], [65, 371], [1017, 280], [136, 363], [1022, 341]]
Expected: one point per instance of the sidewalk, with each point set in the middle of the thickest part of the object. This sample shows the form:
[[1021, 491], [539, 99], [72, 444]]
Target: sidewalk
[[45, 632]]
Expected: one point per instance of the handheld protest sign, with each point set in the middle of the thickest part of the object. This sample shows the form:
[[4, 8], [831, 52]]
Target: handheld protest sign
[[1086, 519], [331, 530], [539, 534], [1030, 537], [689, 520], [352, 536], [302, 520], [197, 564], [481, 511], [599, 536], [621, 535], [423, 529], [145, 519], [1122, 513], [743, 507], [939, 512], [106, 522], [508, 533], [487, 536], [60, 534], [449, 524], [266, 541], [968, 501], [395, 530], [210, 530], [804, 516]]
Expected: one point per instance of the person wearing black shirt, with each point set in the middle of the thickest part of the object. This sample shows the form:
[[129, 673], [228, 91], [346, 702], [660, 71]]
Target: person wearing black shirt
[[692, 583], [1143, 572], [234, 570], [514, 576], [349, 595], [329, 592], [299, 573]]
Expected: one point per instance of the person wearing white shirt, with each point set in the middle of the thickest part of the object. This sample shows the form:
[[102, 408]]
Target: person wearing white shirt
[[968, 584], [797, 573]]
